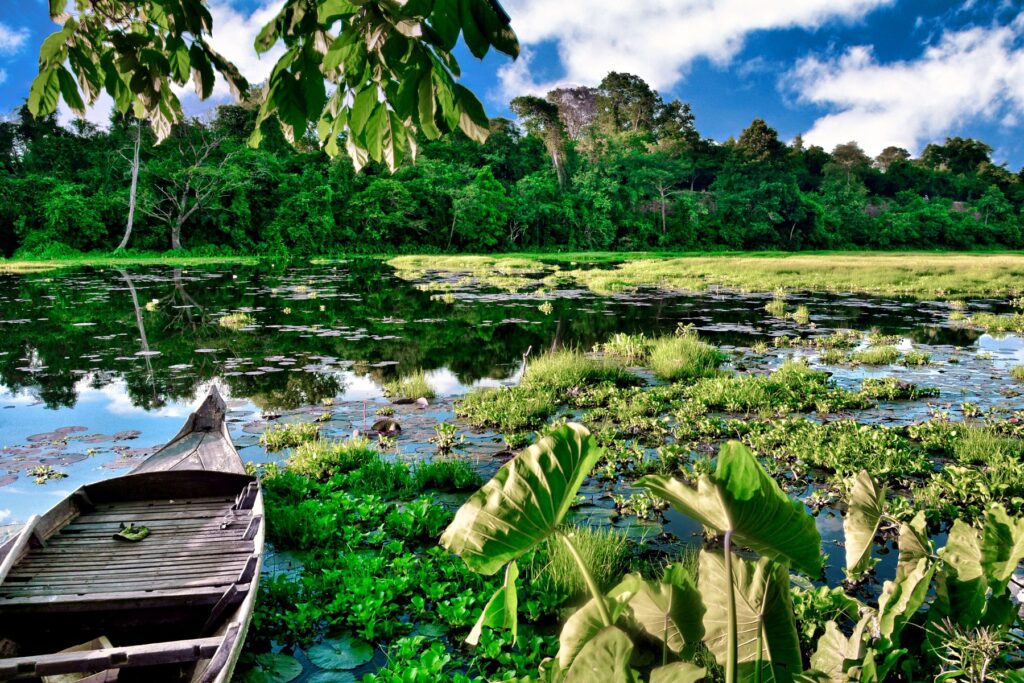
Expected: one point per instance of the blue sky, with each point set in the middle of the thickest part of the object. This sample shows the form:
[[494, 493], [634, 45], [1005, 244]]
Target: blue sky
[[903, 72]]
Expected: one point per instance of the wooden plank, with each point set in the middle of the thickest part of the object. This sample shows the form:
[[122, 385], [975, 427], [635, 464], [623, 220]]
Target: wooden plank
[[85, 589], [151, 654], [15, 551], [128, 600], [152, 562], [112, 552], [147, 569]]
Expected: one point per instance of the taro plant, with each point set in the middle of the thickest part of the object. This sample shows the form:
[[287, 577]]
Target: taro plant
[[739, 608]]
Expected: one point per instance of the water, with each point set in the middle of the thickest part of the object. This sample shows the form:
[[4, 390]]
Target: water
[[116, 358]]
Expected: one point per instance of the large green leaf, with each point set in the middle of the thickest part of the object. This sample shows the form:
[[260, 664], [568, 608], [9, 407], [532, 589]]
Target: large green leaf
[[768, 648], [740, 497], [900, 599], [525, 502], [672, 612], [341, 653], [1002, 547], [836, 653], [678, 672], [604, 658], [914, 544], [586, 622], [69, 91], [501, 611], [42, 96], [473, 120], [864, 516], [273, 668]]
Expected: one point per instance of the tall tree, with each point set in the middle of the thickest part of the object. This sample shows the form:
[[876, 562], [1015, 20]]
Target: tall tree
[[626, 104], [577, 107], [890, 155], [133, 190], [540, 118]]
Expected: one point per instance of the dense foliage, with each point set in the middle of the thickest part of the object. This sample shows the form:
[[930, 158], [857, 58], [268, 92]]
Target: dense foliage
[[614, 167]]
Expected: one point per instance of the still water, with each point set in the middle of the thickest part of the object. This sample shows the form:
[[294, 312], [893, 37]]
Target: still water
[[98, 367]]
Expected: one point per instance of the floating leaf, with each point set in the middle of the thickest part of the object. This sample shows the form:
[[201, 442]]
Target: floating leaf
[[332, 677], [273, 668], [341, 653]]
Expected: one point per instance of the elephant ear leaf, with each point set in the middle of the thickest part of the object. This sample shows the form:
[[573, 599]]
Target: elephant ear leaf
[[864, 516], [524, 503], [501, 611], [740, 497], [836, 653], [768, 647], [678, 672], [914, 544], [605, 658], [585, 623], [900, 599], [671, 611]]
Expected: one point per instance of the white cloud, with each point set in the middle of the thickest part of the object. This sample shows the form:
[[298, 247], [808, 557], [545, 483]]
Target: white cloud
[[3, 75], [12, 40], [654, 39], [967, 75]]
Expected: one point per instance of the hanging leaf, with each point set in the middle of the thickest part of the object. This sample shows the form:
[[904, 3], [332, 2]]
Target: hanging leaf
[[864, 516], [768, 647], [340, 654], [525, 502], [902, 598], [678, 672], [740, 497], [501, 611], [914, 544], [836, 653], [604, 658], [42, 96], [202, 71], [69, 91], [473, 120]]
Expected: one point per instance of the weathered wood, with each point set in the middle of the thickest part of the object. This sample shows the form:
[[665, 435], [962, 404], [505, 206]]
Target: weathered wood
[[150, 654], [126, 600], [223, 655], [14, 552]]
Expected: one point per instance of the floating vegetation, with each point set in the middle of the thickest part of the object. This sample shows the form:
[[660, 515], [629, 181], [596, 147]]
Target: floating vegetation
[[893, 389], [1017, 372], [997, 324], [874, 355], [683, 356], [280, 436], [45, 473], [319, 459], [410, 386], [566, 370], [236, 321]]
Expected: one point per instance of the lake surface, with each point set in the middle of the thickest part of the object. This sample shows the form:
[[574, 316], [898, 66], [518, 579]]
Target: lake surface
[[98, 367]]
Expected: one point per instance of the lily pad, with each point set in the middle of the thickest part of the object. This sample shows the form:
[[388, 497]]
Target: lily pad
[[273, 668], [341, 653], [332, 677]]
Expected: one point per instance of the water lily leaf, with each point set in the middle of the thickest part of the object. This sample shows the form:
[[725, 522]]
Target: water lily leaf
[[604, 658], [740, 497], [867, 504], [273, 668], [525, 502], [332, 677], [585, 623], [768, 648], [672, 612], [678, 672], [341, 653], [501, 611]]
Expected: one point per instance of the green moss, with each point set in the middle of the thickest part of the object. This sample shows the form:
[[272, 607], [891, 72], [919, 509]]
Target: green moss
[[683, 356]]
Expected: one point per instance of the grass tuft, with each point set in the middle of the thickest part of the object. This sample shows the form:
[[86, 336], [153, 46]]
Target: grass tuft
[[410, 386], [684, 356], [321, 460], [280, 436]]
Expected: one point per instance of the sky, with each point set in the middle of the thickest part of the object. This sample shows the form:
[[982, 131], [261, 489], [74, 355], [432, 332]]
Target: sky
[[880, 72]]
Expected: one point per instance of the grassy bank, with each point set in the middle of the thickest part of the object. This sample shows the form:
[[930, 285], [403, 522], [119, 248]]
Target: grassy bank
[[922, 274], [34, 266]]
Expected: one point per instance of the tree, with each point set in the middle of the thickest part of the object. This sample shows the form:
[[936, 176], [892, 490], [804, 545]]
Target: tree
[[889, 155], [392, 66], [958, 155], [577, 107], [760, 143], [849, 160], [132, 192], [540, 118], [480, 213], [190, 180], [626, 104]]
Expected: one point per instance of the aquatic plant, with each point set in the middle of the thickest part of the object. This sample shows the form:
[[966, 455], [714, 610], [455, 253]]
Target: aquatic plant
[[567, 369], [605, 550], [875, 355], [447, 438], [448, 474], [320, 459], [236, 321], [507, 409], [629, 347], [916, 357], [1017, 372], [894, 389], [410, 386], [279, 436], [683, 356]]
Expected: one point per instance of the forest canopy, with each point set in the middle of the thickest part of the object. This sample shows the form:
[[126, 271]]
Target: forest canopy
[[611, 167]]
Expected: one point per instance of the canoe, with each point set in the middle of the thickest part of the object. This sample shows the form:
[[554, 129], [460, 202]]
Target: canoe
[[76, 604]]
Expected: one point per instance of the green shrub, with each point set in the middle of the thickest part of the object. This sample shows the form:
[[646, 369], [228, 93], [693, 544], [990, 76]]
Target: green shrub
[[683, 356], [322, 459], [410, 386]]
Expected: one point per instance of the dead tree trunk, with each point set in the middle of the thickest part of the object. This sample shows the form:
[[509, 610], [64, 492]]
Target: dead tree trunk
[[134, 188]]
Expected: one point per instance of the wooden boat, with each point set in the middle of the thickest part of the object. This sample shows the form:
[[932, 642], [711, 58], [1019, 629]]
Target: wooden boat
[[76, 604]]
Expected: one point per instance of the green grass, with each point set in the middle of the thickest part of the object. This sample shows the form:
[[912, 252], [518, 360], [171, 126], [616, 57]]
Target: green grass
[[604, 551], [567, 369], [997, 324], [411, 386], [893, 389], [280, 436], [875, 355], [141, 259], [322, 459], [683, 356], [508, 409], [1017, 372], [450, 474], [631, 348], [794, 387]]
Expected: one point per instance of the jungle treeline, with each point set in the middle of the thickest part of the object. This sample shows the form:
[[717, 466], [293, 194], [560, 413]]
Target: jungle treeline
[[614, 167]]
